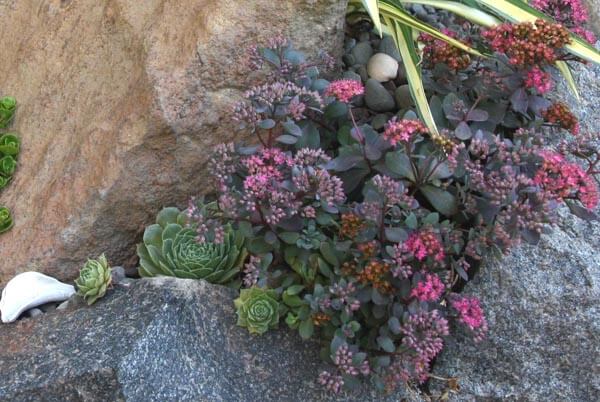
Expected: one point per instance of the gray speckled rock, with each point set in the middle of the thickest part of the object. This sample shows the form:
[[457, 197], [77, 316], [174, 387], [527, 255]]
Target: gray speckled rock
[[542, 306], [158, 340]]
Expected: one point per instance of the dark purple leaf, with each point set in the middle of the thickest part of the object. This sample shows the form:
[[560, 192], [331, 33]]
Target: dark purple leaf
[[463, 131], [344, 162], [520, 101]]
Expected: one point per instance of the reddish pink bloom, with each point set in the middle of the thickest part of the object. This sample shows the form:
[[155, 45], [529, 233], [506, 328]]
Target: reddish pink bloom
[[471, 314], [539, 79], [403, 130], [424, 244], [430, 289], [528, 43], [345, 90], [563, 179]]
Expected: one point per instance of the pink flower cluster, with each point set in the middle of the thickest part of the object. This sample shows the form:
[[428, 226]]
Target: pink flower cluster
[[403, 130], [345, 90], [585, 34], [424, 243], [471, 314], [264, 171], [539, 79], [430, 289], [563, 179]]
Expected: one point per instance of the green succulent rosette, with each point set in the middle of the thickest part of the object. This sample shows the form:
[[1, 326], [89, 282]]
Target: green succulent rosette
[[6, 221], [257, 310], [94, 278], [9, 144], [4, 182], [8, 105], [170, 248], [7, 166]]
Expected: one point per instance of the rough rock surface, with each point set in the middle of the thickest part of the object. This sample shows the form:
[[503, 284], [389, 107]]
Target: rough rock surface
[[120, 103], [593, 7], [160, 339], [542, 305]]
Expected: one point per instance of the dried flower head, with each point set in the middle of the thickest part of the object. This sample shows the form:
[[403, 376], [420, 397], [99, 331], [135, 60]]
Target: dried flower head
[[559, 113]]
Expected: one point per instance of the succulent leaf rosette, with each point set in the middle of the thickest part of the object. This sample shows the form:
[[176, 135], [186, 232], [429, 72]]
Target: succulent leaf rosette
[[3, 182], [7, 166], [257, 310], [94, 279], [9, 144], [8, 105], [6, 221], [170, 248]]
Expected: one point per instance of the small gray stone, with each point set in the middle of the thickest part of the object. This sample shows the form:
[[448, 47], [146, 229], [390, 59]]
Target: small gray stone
[[34, 312], [388, 46], [402, 96], [63, 305], [420, 11], [351, 75], [48, 307], [348, 60], [118, 274], [377, 97], [362, 52], [349, 43], [362, 72], [364, 37]]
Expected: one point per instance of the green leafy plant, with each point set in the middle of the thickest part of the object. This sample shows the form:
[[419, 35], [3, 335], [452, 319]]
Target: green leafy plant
[[94, 278], [9, 149], [257, 310], [171, 248], [6, 221], [9, 144], [8, 105], [7, 166]]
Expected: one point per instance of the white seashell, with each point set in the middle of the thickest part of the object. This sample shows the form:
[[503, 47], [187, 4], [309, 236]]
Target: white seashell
[[31, 289], [382, 67]]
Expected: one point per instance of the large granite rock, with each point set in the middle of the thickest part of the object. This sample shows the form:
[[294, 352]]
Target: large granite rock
[[543, 307], [161, 339], [120, 103]]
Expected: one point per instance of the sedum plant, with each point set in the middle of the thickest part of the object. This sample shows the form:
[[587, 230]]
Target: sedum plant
[[172, 248], [94, 279], [257, 310], [363, 226]]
